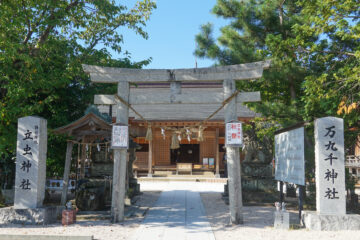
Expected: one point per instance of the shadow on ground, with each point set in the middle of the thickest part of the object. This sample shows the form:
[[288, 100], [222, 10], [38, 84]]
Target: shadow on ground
[[254, 216], [133, 215]]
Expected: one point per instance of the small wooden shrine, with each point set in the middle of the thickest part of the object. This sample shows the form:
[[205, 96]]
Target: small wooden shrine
[[92, 134]]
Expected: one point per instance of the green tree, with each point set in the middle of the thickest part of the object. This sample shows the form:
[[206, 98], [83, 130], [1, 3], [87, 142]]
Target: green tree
[[314, 47], [332, 84], [259, 30], [42, 47]]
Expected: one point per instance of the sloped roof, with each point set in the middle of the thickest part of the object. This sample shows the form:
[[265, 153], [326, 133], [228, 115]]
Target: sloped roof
[[90, 124]]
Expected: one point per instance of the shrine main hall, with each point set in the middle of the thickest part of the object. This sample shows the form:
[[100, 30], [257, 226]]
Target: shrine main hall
[[178, 122]]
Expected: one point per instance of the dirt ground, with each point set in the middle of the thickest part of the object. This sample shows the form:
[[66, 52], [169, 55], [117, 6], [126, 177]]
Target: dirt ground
[[100, 229], [258, 224]]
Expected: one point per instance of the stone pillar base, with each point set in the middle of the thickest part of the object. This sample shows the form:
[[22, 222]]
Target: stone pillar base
[[281, 220], [315, 221], [34, 216]]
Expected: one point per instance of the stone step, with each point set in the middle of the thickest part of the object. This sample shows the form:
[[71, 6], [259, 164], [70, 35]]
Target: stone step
[[182, 179], [194, 173]]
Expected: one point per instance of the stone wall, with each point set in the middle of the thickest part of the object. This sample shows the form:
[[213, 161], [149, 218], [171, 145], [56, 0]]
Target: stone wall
[[35, 216]]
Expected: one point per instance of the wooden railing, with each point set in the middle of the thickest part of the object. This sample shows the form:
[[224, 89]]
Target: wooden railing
[[352, 161]]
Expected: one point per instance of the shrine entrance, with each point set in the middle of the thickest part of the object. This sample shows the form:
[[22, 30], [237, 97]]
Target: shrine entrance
[[169, 100], [187, 153]]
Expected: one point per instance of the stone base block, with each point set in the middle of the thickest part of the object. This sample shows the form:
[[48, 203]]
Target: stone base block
[[314, 221], [45, 215], [281, 220], [257, 184]]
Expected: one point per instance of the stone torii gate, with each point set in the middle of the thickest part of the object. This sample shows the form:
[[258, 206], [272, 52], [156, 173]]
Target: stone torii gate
[[226, 74]]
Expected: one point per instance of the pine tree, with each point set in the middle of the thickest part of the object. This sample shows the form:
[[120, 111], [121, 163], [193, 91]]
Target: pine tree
[[260, 30]]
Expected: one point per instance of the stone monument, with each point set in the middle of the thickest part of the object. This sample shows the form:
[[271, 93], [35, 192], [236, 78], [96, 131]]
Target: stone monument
[[330, 166], [30, 176], [30, 162], [330, 179], [281, 217]]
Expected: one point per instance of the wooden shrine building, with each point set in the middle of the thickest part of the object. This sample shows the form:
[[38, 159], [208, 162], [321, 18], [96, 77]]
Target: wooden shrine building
[[205, 155]]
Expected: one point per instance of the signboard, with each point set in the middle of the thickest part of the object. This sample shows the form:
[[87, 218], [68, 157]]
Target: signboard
[[290, 156], [211, 161], [120, 137], [233, 135], [57, 185]]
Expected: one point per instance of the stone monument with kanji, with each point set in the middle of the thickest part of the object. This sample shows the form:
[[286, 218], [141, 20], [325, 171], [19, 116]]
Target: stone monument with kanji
[[30, 162]]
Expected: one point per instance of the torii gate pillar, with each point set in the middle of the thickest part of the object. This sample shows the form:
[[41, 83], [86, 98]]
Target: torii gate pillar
[[124, 76], [120, 155], [233, 159]]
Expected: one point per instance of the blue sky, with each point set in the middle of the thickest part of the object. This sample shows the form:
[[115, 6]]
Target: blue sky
[[172, 28]]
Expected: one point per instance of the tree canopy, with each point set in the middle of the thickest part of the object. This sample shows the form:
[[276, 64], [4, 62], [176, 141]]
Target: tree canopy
[[315, 51], [314, 47], [42, 47]]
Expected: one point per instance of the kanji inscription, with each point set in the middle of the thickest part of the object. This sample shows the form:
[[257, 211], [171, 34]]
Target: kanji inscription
[[120, 137], [30, 162], [234, 136], [330, 166]]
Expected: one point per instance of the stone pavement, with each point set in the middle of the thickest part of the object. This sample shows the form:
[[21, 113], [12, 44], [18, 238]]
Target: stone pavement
[[178, 213]]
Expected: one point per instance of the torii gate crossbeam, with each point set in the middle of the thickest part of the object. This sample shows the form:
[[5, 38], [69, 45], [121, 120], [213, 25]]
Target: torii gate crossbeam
[[225, 74]]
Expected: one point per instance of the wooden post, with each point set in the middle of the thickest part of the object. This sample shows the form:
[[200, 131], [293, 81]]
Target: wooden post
[[127, 173], [120, 155], [217, 172], [301, 199], [69, 148], [233, 159], [82, 161], [281, 191], [150, 158]]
